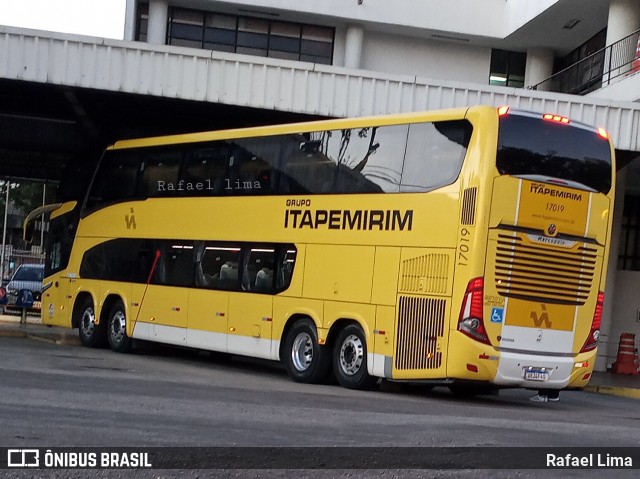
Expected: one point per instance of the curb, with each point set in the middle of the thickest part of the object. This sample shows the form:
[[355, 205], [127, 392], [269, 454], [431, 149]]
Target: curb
[[12, 333], [614, 391], [15, 329], [67, 340]]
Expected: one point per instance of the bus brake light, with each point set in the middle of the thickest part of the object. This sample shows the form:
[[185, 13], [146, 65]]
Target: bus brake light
[[471, 320], [556, 118], [594, 334]]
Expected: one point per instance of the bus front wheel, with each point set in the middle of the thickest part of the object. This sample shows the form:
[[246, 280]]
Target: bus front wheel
[[90, 334], [350, 359], [305, 360], [117, 329]]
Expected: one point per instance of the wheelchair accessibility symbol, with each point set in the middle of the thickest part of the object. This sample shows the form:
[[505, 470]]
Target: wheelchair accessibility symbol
[[497, 314]]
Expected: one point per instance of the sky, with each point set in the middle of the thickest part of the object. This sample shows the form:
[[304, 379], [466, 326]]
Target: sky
[[100, 18]]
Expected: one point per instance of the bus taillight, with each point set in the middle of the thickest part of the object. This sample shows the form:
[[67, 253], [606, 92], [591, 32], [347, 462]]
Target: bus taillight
[[602, 133], [503, 110], [471, 320], [594, 334]]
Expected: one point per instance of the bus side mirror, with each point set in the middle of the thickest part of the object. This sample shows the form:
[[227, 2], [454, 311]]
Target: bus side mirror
[[29, 225], [27, 233]]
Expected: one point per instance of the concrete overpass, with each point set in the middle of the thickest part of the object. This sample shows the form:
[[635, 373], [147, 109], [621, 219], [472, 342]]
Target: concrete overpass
[[65, 97]]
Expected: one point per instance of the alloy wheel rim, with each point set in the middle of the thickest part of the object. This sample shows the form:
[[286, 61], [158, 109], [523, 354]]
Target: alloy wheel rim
[[302, 351], [118, 325], [88, 322], [351, 355]]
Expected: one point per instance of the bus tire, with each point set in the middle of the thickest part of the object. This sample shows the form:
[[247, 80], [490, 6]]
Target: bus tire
[[119, 341], [350, 359], [91, 335], [306, 361]]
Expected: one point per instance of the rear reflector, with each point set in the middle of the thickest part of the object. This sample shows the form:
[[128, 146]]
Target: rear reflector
[[556, 118]]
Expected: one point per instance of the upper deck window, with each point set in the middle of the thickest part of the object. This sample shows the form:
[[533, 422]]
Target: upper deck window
[[529, 146]]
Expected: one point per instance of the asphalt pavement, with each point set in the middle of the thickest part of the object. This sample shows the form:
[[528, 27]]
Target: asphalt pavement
[[625, 385]]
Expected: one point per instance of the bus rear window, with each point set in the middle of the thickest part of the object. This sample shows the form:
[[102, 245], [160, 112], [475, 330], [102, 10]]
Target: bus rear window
[[529, 146]]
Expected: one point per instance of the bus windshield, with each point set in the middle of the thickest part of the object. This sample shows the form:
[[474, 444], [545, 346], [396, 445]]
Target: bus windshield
[[529, 146]]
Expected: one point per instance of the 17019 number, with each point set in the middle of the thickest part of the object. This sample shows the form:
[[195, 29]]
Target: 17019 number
[[555, 207], [464, 247]]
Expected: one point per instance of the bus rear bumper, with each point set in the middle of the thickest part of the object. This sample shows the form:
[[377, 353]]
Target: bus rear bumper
[[535, 371]]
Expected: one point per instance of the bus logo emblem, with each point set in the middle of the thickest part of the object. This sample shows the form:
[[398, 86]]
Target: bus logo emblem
[[130, 221], [551, 230], [542, 318]]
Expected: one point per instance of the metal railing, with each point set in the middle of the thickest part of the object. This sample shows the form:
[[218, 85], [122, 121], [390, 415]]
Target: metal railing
[[597, 70]]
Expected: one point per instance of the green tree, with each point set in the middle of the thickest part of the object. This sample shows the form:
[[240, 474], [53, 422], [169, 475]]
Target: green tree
[[26, 196]]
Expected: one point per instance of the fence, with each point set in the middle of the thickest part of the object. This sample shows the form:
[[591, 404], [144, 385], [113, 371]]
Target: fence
[[598, 69]]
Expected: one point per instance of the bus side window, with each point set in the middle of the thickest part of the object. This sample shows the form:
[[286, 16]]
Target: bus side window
[[217, 266], [94, 263], [175, 266], [115, 179], [142, 260], [286, 263], [308, 170], [249, 174], [257, 273], [261, 160], [435, 153], [368, 159], [61, 236], [205, 170], [160, 174]]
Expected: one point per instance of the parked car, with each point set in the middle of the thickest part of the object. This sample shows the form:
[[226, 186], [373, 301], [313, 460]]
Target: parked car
[[26, 280]]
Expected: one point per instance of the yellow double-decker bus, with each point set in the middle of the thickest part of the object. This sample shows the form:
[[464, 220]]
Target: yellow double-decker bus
[[457, 247]]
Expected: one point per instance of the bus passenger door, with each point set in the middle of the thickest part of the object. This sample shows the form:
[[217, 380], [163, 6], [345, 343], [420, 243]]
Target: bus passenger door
[[56, 303], [250, 324], [216, 274], [251, 309]]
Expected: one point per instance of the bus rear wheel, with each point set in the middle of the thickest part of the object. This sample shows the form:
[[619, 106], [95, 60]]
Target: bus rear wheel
[[119, 341], [350, 359], [306, 361], [90, 334]]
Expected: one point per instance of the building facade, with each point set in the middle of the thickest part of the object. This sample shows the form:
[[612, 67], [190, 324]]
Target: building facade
[[508, 43]]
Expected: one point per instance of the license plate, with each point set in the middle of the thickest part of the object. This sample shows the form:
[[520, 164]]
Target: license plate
[[37, 305], [533, 374]]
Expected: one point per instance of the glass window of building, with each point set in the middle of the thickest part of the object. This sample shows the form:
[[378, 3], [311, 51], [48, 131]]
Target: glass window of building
[[186, 28], [507, 68], [243, 34], [142, 22]]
